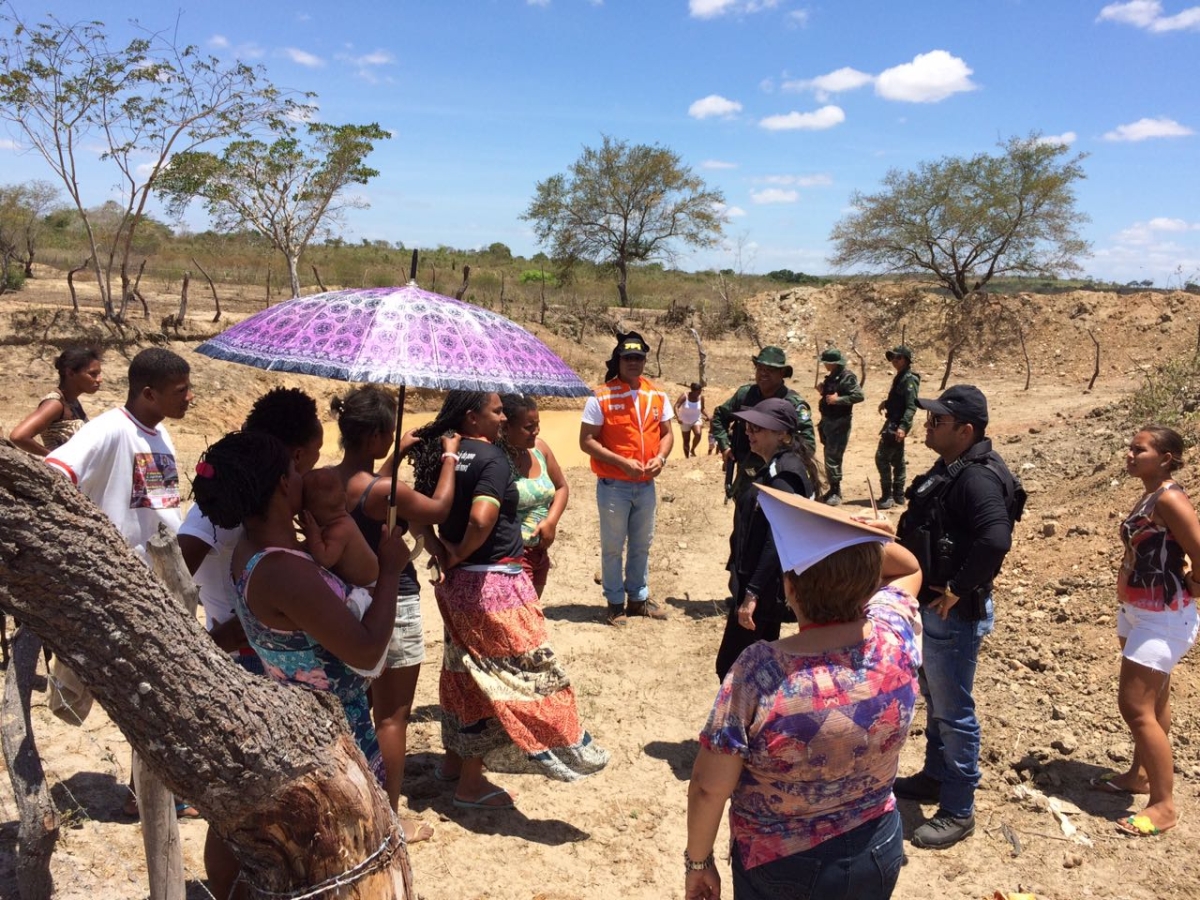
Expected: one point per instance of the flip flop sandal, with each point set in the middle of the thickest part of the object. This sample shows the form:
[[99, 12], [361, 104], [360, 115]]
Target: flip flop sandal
[[1104, 784], [482, 802], [186, 811], [1138, 826]]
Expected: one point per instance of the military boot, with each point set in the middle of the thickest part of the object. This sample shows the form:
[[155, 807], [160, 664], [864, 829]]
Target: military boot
[[898, 493], [885, 495], [833, 496]]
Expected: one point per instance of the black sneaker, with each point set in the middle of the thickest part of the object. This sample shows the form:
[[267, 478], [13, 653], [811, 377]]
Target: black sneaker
[[832, 499], [920, 787], [886, 503], [942, 831]]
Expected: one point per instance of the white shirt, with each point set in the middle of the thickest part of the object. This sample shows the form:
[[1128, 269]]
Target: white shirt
[[126, 469], [213, 576]]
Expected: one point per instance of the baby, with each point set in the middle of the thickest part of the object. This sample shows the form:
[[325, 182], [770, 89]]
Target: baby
[[332, 537]]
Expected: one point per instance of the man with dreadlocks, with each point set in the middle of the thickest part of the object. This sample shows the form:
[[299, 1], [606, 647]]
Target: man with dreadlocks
[[527, 721], [626, 431]]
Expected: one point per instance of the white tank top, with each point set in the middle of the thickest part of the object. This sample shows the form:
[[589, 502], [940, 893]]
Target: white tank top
[[688, 414]]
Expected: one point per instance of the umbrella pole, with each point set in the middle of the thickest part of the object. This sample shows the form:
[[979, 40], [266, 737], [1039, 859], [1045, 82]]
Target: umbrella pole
[[391, 516]]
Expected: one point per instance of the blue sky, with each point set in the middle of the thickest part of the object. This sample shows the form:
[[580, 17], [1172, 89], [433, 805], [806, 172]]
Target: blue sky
[[786, 106]]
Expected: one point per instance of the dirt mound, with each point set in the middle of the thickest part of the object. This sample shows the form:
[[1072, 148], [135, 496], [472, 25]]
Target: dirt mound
[[1046, 682]]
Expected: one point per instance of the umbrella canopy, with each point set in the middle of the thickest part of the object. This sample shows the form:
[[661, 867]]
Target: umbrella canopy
[[399, 335]]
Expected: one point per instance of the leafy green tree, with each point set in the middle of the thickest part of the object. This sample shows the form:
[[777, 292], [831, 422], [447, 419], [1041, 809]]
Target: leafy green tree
[[968, 220], [621, 204], [289, 191], [65, 88]]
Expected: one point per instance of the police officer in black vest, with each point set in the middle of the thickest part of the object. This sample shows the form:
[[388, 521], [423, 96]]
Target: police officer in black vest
[[959, 526]]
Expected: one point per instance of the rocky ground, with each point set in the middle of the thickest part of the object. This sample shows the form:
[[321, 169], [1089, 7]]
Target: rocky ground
[[1047, 680]]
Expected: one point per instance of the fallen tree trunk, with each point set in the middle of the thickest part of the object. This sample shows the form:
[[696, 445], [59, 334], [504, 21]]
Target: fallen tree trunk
[[273, 769]]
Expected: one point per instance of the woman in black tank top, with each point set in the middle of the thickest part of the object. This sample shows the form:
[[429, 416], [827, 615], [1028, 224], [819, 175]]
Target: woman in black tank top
[[366, 419]]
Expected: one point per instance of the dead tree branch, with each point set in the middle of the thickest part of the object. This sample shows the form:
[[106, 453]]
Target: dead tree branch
[[212, 287]]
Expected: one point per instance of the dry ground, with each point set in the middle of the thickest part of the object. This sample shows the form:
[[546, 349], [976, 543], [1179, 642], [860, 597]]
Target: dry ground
[[1046, 684]]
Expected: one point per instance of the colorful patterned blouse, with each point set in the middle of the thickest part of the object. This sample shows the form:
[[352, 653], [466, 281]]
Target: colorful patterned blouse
[[292, 657], [534, 496], [1151, 574], [820, 734]]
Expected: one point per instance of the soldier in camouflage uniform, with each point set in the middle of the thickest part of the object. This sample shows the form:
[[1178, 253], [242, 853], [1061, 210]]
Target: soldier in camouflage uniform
[[898, 410], [839, 393], [770, 370]]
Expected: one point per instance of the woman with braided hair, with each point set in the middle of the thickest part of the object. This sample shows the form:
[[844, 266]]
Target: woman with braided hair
[[297, 616], [506, 702]]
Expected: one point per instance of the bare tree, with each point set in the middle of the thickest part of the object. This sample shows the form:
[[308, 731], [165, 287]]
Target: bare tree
[[64, 87]]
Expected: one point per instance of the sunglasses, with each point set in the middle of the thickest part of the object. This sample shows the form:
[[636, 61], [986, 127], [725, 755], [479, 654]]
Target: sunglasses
[[751, 428], [932, 421]]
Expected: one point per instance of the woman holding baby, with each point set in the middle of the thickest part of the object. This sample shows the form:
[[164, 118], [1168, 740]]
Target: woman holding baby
[[366, 421], [297, 616]]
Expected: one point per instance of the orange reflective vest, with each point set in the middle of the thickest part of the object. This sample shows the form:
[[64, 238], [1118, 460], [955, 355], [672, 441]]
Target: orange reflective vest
[[631, 424]]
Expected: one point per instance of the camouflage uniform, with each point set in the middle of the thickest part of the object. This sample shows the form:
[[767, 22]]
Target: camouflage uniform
[[729, 432], [834, 427], [898, 409]]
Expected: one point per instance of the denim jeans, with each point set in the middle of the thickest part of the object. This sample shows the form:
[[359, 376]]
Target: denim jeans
[[626, 518], [862, 864], [947, 677]]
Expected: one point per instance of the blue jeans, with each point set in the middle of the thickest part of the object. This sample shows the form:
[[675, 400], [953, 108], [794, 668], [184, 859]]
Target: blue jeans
[[947, 678], [626, 517], [862, 864]]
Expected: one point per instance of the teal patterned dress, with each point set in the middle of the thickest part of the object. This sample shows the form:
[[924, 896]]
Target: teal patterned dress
[[292, 657]]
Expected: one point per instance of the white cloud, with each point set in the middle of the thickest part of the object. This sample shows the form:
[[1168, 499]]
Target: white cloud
[[1067, 138], [825, 117], [717, 164], [303, 17], [1145, 233], [1148, 15], [537, 2], [728, 212], [714, 105], [712, 9], [930, 77], [821, 180], [218, 42], [303, 58], [6, 144], [797, 17], [774, 195], [1144, 129], [843, 79]]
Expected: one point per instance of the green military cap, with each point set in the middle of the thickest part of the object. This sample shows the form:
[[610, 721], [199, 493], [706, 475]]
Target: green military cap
[[773, 357], [833, 355], [899, 351]]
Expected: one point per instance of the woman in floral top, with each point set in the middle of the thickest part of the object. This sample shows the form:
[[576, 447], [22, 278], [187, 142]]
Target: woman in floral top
[[805, 734], [1156, 623]]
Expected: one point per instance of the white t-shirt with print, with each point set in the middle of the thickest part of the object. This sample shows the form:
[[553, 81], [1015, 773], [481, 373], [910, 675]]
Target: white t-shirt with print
[[126, 469], [213, 576]]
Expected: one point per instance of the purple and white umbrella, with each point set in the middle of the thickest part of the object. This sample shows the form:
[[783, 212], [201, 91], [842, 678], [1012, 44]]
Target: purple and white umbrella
[[398, 335]]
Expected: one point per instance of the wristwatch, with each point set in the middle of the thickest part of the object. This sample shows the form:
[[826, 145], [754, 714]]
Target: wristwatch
[[691, 865]]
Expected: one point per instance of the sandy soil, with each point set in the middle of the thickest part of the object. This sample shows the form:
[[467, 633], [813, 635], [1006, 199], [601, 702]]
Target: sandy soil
[[1046, 684]]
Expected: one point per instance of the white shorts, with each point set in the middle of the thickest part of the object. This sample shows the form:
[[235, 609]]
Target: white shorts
[[1157, 639], [407, 646]]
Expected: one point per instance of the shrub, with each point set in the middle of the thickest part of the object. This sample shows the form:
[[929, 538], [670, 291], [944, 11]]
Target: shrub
[[14, 278], [1170, 396], [535, 276]]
